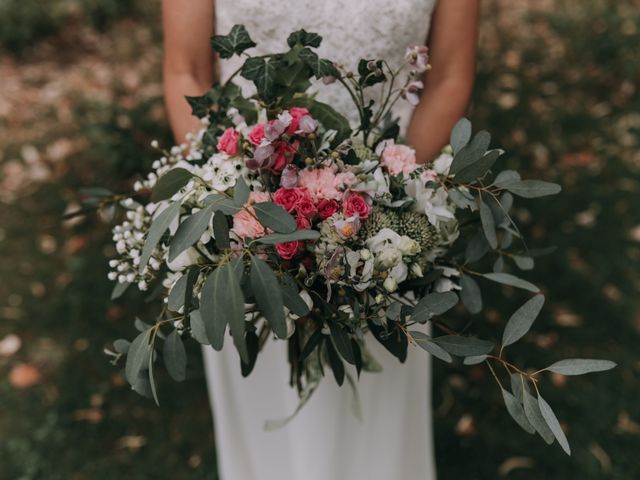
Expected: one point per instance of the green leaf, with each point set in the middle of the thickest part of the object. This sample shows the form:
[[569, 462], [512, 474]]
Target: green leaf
[[175, 357], [336, 363], [470, 294], [478, 169], [190, 231], [240, 192], [119, 289], [477, 247], [521, 320], [158, 227], [394, 340], [198, 331], [152, 380], [507, 176], [236, 42], [471, 153], [200, 105], [312, 343], [432, 305], [488, 226], [464, 346], [222, 204], [121, 346], [274, 238], [138, 356], [342, 341], [253, 347], [553, 423], [425, 342], [319, 66], [274, 216], [534, 415], [263, 73], [170, 183], [292, 298], [474, 359], [517, 411], [511, 280], [369, 78], [328, 117], [304, 38], [176, 298], [529, 188], [460, 135], [523, 263], [221, 230], [268, 295], [580, 366]]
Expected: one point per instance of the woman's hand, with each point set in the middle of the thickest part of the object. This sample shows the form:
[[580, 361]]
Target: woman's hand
[[188, 59], [448, 85]]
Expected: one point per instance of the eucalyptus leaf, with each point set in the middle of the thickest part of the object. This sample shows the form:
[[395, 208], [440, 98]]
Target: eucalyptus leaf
[[292, 299], [175, 301], [498, 265], [138, 356], [152, 380], [174, 356], [121, 346], [478, 169], [274, 238], [268, 295], [190, 231], [523, 263], [507, 176], [474, 359], [488, 225], [521, 320], [470, 294], [119, 289], [240, 192], [170, 183], [156, 231], [335, 362], [464, 346], [222, 203], [534, 415], [198, 331], [274, 216], [460, 135], [342, 341], [554, 424], [221, 230], [312, 343], [530, 188], [471, 153], [433, 304], [253, 347], [477, 247], [425, 342], [516, 411], [580, 366], [511, 280]]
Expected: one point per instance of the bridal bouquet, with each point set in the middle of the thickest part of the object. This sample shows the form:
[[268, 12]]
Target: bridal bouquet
[[278, 221]]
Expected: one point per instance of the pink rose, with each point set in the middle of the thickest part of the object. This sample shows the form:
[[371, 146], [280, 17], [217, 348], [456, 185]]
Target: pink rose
[[326, 208], [321, 183], [245, 224], [399, 159], [288, 250], [306, 207], [355, 204], [296, 114], [303, 223], [288, 198], [228, 142], [256, 134]]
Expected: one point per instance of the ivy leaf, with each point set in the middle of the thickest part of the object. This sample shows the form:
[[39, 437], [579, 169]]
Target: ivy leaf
[[521, 320], [138, 356], [460, 135], [268, 295], [432, 305], [488, 225], [263, 73], [170, 183], [464, 346], [471, 153], [319, 66], [190, 231], [470, 294], [516, 411], [511, 280], [236, 42], [529, 188], [553, 423], [304, 38], [534, 415], [274, 216], [425, 342], [158, 227], [274, 238], [580, 366], [175, 356], [200, 105]]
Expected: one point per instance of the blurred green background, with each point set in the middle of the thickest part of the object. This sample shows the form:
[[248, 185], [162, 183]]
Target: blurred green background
[[80, 100]]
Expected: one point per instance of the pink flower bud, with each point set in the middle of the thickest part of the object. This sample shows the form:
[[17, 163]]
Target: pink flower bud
[[289, 178], [411, 92]]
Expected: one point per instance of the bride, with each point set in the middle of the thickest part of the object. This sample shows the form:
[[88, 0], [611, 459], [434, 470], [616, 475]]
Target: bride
[[392, 440]]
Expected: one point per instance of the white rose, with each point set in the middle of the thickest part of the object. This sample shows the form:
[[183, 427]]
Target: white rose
[[390, 284], [185, 259], [408, 246], [388, 258]]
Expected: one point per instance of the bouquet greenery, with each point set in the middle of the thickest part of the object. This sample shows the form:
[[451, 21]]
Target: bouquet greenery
[[279, 222]]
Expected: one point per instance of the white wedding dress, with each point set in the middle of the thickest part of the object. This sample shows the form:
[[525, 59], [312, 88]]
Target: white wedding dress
[[325, 441]]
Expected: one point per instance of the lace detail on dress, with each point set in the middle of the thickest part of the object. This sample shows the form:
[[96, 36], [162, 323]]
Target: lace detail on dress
[[350, 29]]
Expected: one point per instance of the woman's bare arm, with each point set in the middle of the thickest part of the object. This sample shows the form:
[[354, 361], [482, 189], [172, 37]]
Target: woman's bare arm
[[188, 58], [447, 87]]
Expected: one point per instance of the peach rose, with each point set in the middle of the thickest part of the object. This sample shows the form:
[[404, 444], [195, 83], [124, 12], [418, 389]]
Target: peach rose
[[245, 224]]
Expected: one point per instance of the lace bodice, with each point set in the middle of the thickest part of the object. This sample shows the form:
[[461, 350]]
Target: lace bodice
[[351, 29]]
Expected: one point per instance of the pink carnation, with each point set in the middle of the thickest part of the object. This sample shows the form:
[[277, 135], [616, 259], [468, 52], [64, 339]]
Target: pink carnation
[[399, 159], [228, 142], [256, 134], [321, 183], [245, 225]]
